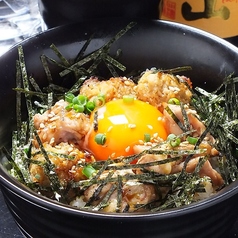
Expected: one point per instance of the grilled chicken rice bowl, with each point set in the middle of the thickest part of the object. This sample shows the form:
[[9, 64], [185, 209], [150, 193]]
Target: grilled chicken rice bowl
[[123, 145]]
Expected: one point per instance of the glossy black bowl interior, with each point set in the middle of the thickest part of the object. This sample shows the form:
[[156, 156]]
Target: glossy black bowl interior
[[149, 44]]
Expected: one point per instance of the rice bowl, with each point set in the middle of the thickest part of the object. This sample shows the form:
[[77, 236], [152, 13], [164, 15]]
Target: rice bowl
[[222, 64]]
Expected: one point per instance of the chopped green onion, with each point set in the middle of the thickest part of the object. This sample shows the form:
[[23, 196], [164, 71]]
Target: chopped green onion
[[76, 101], [173, 140], [69, 106], [81, 103], [100, 139], [82, 99], [99, 100], [192, 140], [174, 101], [147, 137], [78, 107], [128, 99], [171, 137], [27, 150], [69, 97], [90, 106], [88, 171]]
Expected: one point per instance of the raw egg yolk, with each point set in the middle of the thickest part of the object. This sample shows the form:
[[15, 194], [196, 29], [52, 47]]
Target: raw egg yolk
[[123, 124]]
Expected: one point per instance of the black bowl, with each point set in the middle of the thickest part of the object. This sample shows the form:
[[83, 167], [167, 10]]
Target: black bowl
[[149, 44], [60, 12]]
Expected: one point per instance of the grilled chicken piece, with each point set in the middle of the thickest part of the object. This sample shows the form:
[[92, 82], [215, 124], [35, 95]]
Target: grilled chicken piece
[[65, 159], [59, 125], [133, 193], [114, 88], [159, 87]]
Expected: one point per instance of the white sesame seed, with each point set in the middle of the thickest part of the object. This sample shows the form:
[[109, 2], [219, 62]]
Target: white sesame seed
[[73, 167], [127, 149], [174, 89], [113, 155], [52, 127], [127, 82], [109, 129], [42, 125], [54, 118], [44, 136], [131, 126], [155, 135], [52, 140], [50, 115], [150, 127], [73, 153]]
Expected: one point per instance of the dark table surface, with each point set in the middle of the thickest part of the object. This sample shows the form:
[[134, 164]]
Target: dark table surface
[[8, 228]]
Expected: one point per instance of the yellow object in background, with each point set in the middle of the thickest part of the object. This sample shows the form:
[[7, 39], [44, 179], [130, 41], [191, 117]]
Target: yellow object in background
[[219, 17]]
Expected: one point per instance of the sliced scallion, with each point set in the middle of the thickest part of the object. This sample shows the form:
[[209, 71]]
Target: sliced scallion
[[192, 140], [76, 101], [128, 99], [173, 140], [174, 101], [90, 106], [147, 137], [69, 97], [69, 106], [82, 99], [78, 108], [100, 139], [99, 100], [88, 171]]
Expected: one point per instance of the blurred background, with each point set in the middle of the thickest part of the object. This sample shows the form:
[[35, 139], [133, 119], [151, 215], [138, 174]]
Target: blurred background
[[19, 19]]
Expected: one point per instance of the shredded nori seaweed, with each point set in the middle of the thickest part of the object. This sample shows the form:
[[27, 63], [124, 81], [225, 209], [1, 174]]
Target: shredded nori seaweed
[[218, 110]]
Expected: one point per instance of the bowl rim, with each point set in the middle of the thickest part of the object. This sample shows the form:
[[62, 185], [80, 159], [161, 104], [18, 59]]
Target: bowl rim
[[177, 25], [10, 183]]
